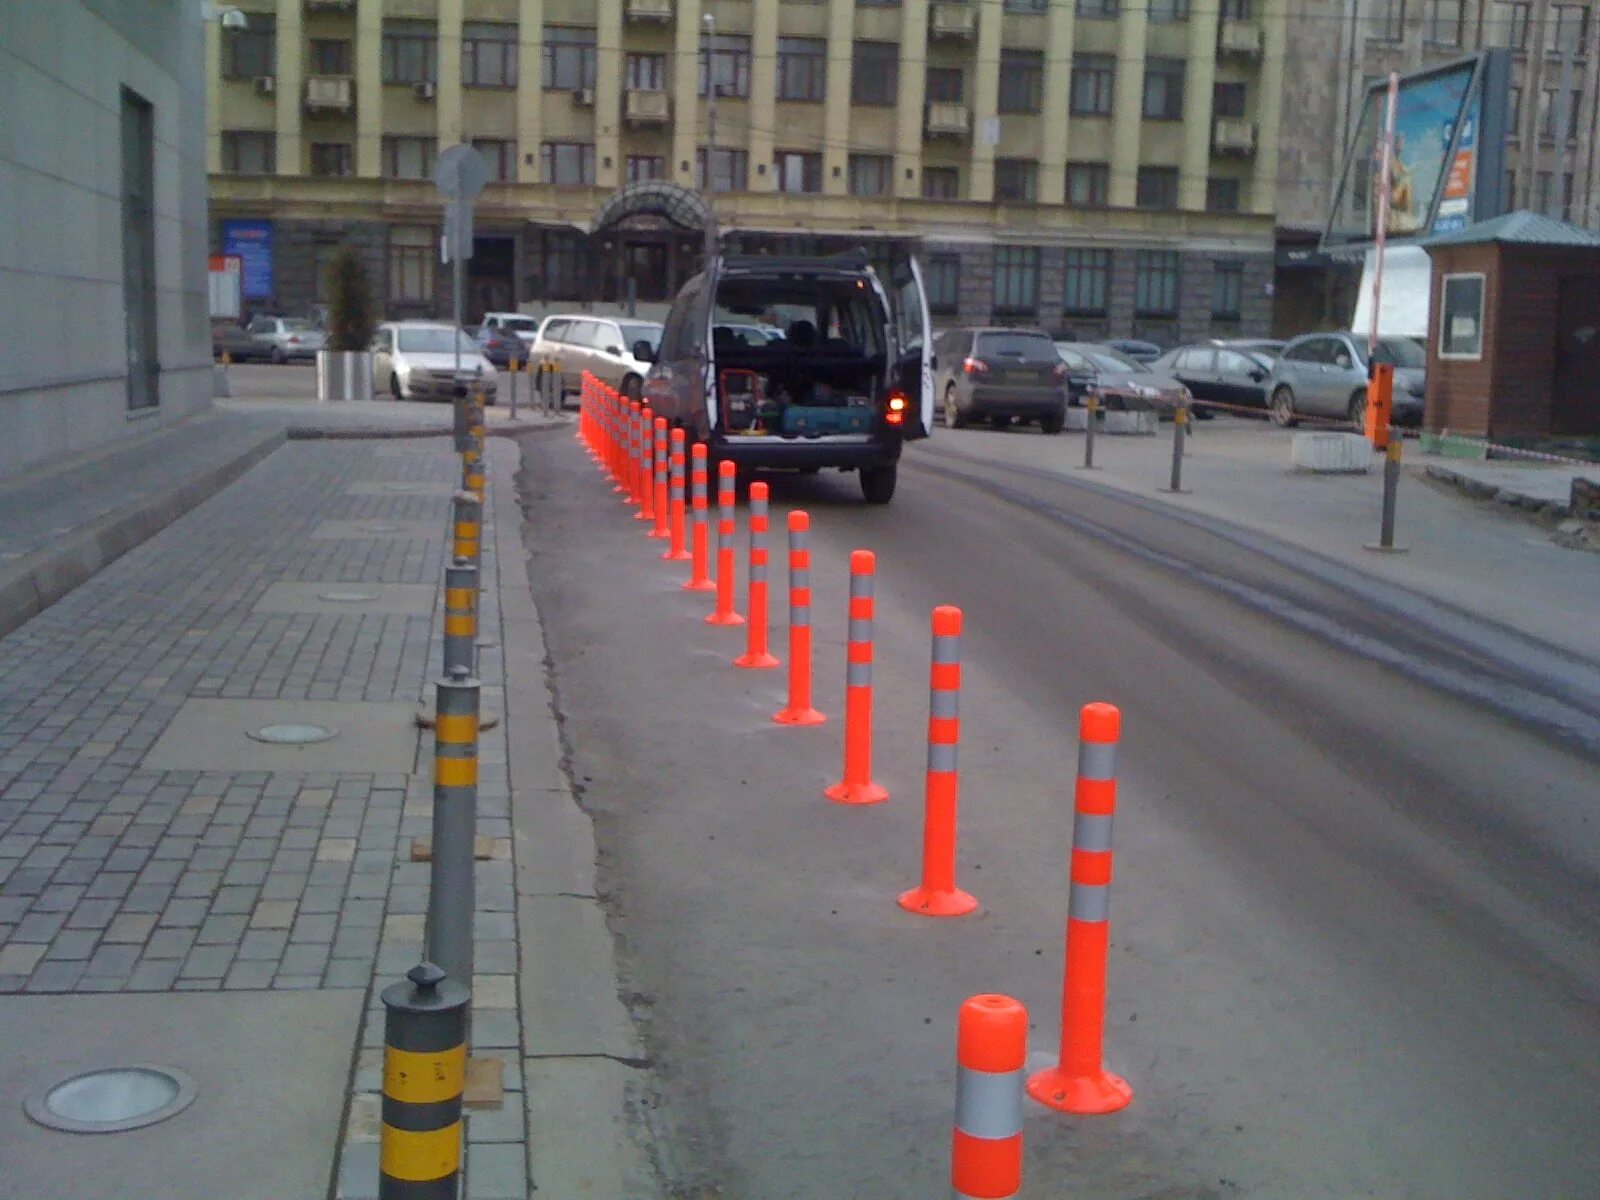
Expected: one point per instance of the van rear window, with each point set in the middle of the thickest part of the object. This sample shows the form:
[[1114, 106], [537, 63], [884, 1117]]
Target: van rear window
[[1029, 347]]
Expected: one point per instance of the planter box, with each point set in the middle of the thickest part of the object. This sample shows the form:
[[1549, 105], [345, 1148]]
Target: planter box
[[1133, 423], [344, 375], [1331, 453]]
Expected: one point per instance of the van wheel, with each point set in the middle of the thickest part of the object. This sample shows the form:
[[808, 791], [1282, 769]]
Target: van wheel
[[394, 386], [877, 484], [633, 387], [1052, 422], [952, 411]]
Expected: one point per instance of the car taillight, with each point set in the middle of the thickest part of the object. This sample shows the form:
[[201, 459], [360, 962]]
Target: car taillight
[[1061, 371], [974, 366], [294, 339], [897, 408]]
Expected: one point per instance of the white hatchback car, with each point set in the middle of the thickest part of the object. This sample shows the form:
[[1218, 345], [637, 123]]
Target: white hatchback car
[[416, 360], [602, 346]]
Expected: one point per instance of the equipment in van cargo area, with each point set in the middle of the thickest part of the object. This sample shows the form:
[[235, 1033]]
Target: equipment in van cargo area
[[813, 421], [789, 404]]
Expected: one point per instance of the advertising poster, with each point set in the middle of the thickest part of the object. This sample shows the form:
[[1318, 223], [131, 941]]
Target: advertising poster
[[1455, 208], [251, 243]]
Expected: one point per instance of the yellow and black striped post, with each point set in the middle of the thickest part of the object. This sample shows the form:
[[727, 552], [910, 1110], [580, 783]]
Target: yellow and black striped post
[[452, 886], [468, 522], [424, 1074], [472, 467], [460, 615]]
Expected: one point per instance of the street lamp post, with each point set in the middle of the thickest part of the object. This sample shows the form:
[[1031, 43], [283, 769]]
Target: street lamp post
[[708, 186]]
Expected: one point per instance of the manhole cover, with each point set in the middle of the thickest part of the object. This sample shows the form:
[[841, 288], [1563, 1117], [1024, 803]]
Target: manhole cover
[[380, 528], [292, 735], [112, 1100], [348, 597]]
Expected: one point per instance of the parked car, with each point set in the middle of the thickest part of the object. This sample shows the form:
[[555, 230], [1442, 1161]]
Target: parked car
[[500, 346], [1139, 351], [521, 324], [237, 342], [289, 337], [1216, 371], [1000, 375], [606, 347], [1117, 380], [851, 379], [1271, 347], [416, 360], [1325, 375]]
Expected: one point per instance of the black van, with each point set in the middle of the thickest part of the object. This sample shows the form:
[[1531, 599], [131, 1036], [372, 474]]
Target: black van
[[799, 363]]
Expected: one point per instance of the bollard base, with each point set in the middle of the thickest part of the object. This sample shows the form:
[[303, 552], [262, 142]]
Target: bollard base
[[700, 585], [728, 618], [1086, 1095], [676, 556], [926, 902], [1176, 491], [799, 716], [756, 662], [658, 534], [1380, 548], [857, 793]]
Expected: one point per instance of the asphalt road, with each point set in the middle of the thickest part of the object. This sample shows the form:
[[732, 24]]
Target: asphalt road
[[1354, 919]]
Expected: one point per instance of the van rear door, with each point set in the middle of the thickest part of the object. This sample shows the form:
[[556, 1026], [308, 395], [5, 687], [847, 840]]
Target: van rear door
[[913, 345]]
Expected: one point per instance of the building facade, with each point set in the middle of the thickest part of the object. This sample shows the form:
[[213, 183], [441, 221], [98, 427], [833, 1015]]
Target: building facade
[[1107, 169], [103, 328]]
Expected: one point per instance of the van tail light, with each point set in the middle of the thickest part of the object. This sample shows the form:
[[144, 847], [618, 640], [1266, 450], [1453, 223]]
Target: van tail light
[[1061, 371], [897, 408], [974, 366], [294, 339]]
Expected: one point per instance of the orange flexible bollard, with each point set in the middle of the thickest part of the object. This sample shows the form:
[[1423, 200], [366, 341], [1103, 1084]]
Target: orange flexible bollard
[[658, 458], [619, 443], [856, 787], [644, 485], [938, 895], [675, 551], [986, 1144], [725, 614], [699, 574], [756, 657], [1079, 1083], [799, 710], [635, 444]]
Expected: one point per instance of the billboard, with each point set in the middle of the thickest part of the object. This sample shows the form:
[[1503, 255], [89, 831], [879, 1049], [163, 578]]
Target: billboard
[[1445, 172], [251, 243]]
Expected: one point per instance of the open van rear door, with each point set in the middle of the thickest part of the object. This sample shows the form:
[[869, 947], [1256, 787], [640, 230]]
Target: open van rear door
[[913, 372]]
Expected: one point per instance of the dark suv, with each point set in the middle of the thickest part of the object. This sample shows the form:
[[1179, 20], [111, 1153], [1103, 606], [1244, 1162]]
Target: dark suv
[[1001, 375], [799, 363]]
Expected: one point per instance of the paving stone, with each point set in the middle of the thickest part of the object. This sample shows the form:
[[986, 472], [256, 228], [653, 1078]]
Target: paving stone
[[74, 945], [496, 1171], [92, 914], [234, 900], [154, 976], [39, 926], [20, 958], [131, 928], [55, 976], [207, 962], [116, 961], [263, 944], [219, 930], [58, 898], [254, 975], [503, 1124], [273, 914], [304, 959], [315, 927], [170, 943]]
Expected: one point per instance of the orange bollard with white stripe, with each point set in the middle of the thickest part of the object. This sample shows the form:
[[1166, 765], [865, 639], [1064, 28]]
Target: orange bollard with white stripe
[[856, 786], [619, 449], [1079, 1082], [724, 613], [647, 490], [986, 1144], [658, 460], [675, 551], [630, 452], [756, 656], [938, 895], [699, 558], [799, 710]]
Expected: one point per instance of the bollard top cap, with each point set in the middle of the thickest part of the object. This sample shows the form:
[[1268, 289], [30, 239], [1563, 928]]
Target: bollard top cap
[[758, 491], [661, 424], [677, 435], [698, 450], [799, 521], [863, 562], [1100, 722], [947, 621], [727, 468], [459, 674], [992, 1033], [427, 976]]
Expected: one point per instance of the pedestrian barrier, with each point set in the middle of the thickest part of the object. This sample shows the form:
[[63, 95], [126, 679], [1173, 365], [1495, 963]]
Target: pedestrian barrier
[[938, 895], [460, 615], [658, 455], [424, 1076], [468, 523], [799, 710], [756, 656], [699, 566], [986, 1144], [724, 613], [1079, 1082], [451, 885], [675, 551], [856, 786], [643, 486]]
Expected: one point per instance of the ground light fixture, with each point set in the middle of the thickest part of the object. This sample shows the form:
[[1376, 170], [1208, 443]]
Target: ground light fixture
[[112, 1099], [292, 734]]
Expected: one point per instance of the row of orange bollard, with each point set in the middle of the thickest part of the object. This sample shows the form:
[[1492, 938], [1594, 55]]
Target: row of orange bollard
[[647, 463]]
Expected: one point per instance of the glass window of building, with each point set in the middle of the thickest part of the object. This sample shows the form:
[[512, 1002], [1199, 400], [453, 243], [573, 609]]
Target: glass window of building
[[1508, 24], [1027, 6], [647, 73], [568, 58], [249, 152], [567, 164], [942, 282], [330, 56], [410, 51], [646, 166], [946, 85], [488, 55], [412, 249], [1441, 22], [1222, 193], [1088, 283], [1088, 184], [1157, 187], [1016, 180], [1016, 280], [941, 183], [1108, 9], [798, 170], [1571, 29], [1234, 10], [251, 52], [730, 170], [501, 155], [1094, 78], [408, 157], [726, 58], [1163, 89], [1169, 10], [332, 159], [1227, 291], [875, 73], [802, 68], [1155, 283], [1228, 99], [1388, 20], [1021, 81], [871, 174]]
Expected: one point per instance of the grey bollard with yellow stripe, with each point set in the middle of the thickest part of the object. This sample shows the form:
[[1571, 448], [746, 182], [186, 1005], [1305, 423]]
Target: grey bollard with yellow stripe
[[467, 520], [460, 615], [424, 1074], [451, 885]]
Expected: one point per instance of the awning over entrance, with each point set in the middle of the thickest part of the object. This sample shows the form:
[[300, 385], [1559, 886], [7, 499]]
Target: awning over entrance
[[678, 205]]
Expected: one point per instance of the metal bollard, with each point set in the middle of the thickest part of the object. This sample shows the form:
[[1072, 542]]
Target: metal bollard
[[658, 460], [799, 710], [675, 549], [1091, 403], [460, 615], [756, 656], [513, 368], [1079, 1082], [552, 388], [1180, 422], [468, 521], [699, 564], [424, 1076], [472, 471], [451, 887], [1391, 488], [938, 895], [856, 786], [986, 1145], [725, 613], [459, 423]]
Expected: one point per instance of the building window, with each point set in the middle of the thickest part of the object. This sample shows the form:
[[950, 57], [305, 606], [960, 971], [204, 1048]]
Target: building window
[[500, 155], [646, 166], [802, 68], [1016, 180], [941, 183], [875, 73], [798, 171], [1163, 89], [1155, 283], [726, 58], [1016, 280], [1514, 108], [1542, 184], [249, 152], [1388, 20], [730, 170], [412, 250], [1572, 29], [1508, 199], [942, 282], [1222, 194], [1227, 99], [1157, 187], [1227, 291], [488, 55], [330, 56], [1547, 115], [335, 159], [1441, 22], [408, 157], [1574, 112], [410, 52], [1509, 25], [1235, 10], [250, 53], [1461, 317], [1094, 77], [946, 85], [1108, 9], [877, 3], [566, 266], [568, 58], [647, 73], [1088, 184], [1169, 10], [1021, 81], [871, 174], [567, 164], [1088, 286], [1027, 6]]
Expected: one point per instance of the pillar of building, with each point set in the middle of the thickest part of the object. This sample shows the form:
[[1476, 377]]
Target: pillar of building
[[686, 115], [290, 81], [909, 100], [448, 101], [530, 89], [1127, 105], [1199, 78], [836, 103], [369, 88], [1269, 107], [213, 97], [1056, 120], [608, 94], [985, 102]]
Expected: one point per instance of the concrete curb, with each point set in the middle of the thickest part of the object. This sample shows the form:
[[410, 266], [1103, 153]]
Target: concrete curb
[[312, 433], [1479, 490], [33, 583]]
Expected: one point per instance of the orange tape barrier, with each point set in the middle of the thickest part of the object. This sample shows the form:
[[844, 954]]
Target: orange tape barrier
[[986, 1143], [856, 786], [799, 710], [756, 656]]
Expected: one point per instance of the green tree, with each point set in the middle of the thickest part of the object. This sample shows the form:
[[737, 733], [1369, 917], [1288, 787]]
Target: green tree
[[350, 317]]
